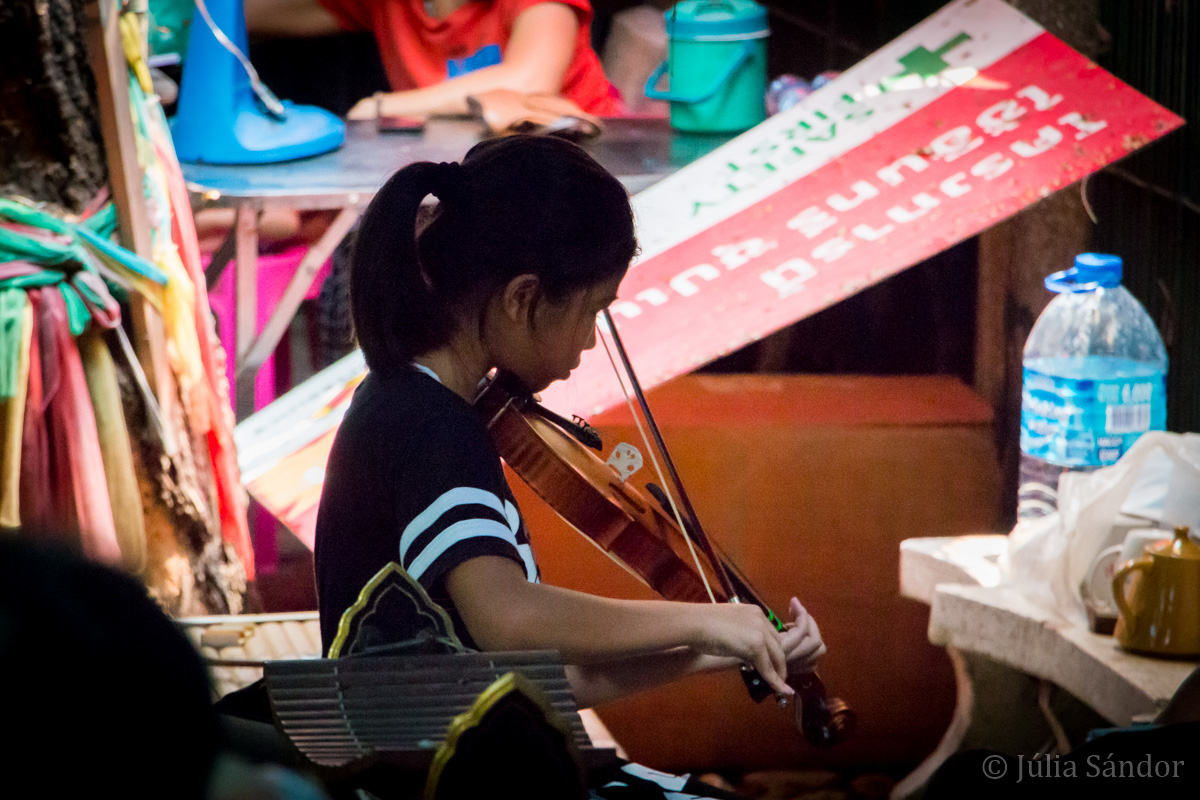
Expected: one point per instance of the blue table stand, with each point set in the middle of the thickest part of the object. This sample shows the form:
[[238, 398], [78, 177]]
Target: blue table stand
[[221, 120]]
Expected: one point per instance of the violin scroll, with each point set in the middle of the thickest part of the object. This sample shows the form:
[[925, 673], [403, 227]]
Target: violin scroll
[[824, 721]]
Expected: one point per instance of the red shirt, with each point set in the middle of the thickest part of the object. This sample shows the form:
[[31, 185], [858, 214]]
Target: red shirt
[[420, 50]]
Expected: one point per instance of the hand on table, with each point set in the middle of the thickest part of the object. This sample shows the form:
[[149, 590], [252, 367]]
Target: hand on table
[[414, 104], [367, 108]]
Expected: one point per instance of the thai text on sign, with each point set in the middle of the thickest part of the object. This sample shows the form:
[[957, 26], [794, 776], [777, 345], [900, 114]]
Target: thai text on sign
[[961, 122]]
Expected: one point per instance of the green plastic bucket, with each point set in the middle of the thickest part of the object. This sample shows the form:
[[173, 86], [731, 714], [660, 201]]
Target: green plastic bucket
[[717, 65]]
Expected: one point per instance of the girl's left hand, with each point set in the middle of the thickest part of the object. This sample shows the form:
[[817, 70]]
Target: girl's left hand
[[802, 643]]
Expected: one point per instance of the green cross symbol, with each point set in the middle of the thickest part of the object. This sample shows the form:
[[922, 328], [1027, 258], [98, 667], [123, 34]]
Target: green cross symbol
[[923, 62]]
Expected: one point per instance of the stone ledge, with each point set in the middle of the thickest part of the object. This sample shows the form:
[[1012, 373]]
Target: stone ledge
[[1003, 625], [929, 561]]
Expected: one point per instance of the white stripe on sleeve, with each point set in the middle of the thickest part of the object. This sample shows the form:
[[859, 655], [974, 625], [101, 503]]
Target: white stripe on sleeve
[[514, 524], [513, 516], [466, 529], [461, 496], [530, 565]]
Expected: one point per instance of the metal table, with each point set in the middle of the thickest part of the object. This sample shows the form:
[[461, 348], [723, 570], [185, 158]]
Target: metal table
[[639, 152]]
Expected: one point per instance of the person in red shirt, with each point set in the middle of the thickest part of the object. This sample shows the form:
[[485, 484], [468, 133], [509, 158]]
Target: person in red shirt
[[440, 52]]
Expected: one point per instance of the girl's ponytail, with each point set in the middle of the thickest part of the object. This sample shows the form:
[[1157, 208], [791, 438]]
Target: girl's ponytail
[[518, 204], [395, 312]]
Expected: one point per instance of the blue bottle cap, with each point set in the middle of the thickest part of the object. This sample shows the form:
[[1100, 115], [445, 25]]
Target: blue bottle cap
[[1091, 271]]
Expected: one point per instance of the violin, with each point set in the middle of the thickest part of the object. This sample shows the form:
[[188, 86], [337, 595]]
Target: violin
[[660, 542]]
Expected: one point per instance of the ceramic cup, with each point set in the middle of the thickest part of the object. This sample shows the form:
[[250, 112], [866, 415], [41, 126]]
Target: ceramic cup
[[1097, 588], [1138, 539]]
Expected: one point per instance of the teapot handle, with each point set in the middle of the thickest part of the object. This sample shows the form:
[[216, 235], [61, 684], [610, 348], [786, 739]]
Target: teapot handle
[[1118, 584]]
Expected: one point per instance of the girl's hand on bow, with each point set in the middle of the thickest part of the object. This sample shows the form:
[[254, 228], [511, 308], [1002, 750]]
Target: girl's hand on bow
[[801, 640]]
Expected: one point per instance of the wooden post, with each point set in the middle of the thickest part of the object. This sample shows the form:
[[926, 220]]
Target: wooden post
[[245, 313], [1016, 255], [107, 56], [289, 303]]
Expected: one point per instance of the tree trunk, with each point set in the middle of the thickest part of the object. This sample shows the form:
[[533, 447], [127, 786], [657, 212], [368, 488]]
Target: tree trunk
[[50, 145], [52, 151]]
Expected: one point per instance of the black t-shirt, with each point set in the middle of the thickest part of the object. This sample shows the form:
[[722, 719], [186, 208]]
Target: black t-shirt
[[413, 478]]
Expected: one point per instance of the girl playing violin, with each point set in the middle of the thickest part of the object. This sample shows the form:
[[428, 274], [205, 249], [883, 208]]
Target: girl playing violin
[[528, 242]]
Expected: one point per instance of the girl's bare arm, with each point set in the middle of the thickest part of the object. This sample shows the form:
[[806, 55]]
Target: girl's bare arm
[[503, 611], [603, 682], [289, 18]]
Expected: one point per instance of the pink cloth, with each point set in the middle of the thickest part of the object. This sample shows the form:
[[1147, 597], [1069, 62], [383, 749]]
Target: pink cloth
[[108, 314], [274, 271], [37, 514], [18, 269], [78, 485]]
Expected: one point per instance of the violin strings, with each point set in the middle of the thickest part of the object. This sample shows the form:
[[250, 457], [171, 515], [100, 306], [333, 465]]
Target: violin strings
[[654, 460]]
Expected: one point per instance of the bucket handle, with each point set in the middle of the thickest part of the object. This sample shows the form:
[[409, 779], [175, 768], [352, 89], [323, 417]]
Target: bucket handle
[[656, 94]]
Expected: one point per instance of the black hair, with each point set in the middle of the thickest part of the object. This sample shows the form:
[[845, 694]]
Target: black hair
[[516, 205]]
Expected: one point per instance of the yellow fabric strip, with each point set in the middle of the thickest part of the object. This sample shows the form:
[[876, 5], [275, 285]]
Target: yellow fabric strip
[[13, 425], [101, 375]]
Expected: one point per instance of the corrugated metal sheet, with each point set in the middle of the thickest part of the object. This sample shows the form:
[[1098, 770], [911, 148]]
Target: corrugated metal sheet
[[1148, 206]]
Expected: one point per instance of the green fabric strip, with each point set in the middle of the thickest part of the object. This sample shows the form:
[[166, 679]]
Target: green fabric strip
[[78, 314], [132, 261], [12, 307], [63, 250]]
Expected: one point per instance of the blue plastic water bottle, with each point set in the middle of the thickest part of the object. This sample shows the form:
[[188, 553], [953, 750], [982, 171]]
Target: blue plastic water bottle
[[1094, 379]]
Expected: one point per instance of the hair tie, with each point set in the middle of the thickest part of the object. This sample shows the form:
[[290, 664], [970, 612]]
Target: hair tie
[[447, 182]]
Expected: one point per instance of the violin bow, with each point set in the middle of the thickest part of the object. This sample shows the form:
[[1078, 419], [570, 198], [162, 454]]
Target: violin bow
[[691, 528]]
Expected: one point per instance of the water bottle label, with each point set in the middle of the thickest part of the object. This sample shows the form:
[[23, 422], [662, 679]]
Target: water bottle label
[[1086, 422]]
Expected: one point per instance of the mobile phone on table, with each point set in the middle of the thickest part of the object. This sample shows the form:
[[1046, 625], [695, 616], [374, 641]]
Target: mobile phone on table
[[401, 124]]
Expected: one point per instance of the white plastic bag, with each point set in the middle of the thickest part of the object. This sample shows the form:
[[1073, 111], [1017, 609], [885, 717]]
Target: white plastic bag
[[1048, 557]]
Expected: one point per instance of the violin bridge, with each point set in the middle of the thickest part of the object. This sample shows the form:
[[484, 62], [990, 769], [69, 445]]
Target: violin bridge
[[625, 460]]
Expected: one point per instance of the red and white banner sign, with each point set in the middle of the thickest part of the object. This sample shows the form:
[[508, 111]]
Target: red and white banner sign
[[961, 122]]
